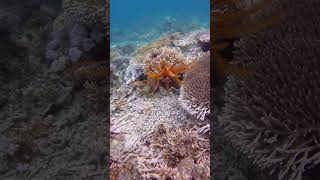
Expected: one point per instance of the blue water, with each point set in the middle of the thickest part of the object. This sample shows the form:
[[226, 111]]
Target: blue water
[[141, 21]]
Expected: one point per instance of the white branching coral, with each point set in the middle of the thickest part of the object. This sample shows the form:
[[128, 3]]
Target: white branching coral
[[195, 90], [168, 153]]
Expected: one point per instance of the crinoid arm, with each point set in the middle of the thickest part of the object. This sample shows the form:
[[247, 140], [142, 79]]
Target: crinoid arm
[[178, 81], [172, 74], [158, 68], [167, 85], [180, 68], [140, 83], [157, 86], [154, 75]]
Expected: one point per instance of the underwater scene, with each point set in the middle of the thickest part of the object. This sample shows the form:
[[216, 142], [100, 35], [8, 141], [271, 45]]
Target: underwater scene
[[74, 106], [265, 90], [139, 23], [53, 89], [160, 89]]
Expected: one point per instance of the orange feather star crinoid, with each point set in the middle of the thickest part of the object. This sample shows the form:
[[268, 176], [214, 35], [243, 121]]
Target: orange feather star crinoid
[[163, 72]]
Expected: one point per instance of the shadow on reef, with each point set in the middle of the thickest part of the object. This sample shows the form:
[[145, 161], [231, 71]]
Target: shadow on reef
[[268, 117], [46, 120]]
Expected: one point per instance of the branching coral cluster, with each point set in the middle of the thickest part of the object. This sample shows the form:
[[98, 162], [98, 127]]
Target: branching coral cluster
[[168, 153], [272, 115]]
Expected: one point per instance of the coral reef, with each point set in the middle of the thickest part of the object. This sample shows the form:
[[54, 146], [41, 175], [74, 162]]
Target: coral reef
[[271, 115], [202, 38], [161, 42], [168, 54], [119, 65], [194, 44], [78, 33], [160, 63], [168, 153], [153, 136], [138, 115], [195, 90], [51, 126], [76, 42], [164, 66]]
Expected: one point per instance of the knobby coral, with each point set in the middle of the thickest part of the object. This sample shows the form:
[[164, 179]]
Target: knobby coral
[[195, 91], [272, 116]]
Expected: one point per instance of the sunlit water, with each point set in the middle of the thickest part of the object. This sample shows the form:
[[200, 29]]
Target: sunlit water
[[141, 21]]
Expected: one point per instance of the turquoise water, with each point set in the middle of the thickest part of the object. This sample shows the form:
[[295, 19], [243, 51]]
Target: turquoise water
[[141, 21]]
